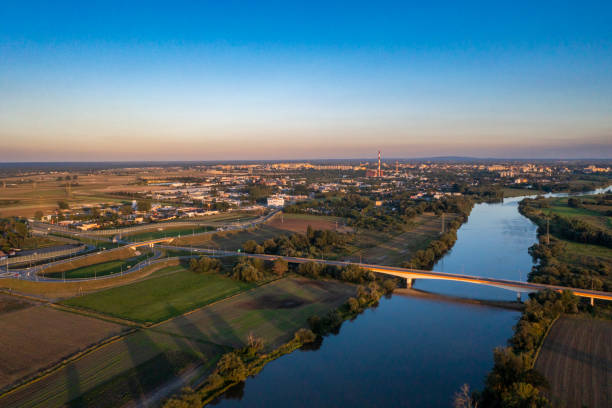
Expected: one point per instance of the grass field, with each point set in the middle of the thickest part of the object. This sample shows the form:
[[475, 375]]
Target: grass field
[[575, 251], [591, 214], [59, 290], [101, 269], [35, 337], [576, 359], [386, 249], [273, 312], [160, 297], [300, 222]]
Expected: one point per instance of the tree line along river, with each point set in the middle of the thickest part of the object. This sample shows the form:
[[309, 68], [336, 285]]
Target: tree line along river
[[411, 351]]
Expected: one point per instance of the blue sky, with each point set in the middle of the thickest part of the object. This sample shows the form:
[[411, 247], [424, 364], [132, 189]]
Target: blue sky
[[271, 80]]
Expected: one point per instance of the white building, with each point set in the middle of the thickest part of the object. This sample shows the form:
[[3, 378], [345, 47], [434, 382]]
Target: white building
[[276, 202]]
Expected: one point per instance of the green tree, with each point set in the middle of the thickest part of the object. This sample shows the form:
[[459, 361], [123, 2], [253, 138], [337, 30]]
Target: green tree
[[205, 265], [126, 209], [280, 266], [63, 205], [231, 367], [249, 246], [38, 215], [246, 272], [143, 206], [353, 304]]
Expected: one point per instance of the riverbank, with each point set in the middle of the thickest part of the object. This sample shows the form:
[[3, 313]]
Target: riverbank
[[236, 366], [574, 241], [514, 379]]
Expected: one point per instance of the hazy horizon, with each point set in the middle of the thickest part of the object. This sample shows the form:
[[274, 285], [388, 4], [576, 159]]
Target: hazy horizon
[[232, 81]]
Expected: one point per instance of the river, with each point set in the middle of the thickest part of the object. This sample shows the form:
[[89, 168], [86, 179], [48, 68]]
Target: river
[[411, 351]]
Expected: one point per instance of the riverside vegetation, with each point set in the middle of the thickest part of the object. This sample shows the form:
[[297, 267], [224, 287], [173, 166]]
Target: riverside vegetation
[[573, 256], [237, 365]]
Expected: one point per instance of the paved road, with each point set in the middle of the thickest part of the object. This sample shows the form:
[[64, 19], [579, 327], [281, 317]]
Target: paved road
[[409, 274], [31, 273], [42, 227]]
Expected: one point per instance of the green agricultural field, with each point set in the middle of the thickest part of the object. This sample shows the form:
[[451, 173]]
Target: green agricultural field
[[161, 297], [393, 249], [591, 214], [161, 232], [101, 269], [273, 312]]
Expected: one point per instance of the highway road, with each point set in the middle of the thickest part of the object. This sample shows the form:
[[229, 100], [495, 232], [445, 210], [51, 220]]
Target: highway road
[[405, 273], [42, 227]]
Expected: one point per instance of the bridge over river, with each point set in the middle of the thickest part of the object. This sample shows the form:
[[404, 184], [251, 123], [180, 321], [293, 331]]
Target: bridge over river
[[411, 274], [405, 273]]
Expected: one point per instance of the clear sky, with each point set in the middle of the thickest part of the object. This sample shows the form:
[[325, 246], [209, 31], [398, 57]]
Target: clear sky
[[178, 80]]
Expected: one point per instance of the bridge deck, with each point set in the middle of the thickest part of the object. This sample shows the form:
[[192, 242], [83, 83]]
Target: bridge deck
[[517, 286]]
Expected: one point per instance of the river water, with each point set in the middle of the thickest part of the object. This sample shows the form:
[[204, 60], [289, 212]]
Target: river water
[[411, 351]]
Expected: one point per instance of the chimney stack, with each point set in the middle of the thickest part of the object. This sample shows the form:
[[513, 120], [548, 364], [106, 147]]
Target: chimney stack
[[379, 172]]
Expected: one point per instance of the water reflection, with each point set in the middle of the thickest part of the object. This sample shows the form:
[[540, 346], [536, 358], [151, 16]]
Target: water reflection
[[408, 352], [411, 351]]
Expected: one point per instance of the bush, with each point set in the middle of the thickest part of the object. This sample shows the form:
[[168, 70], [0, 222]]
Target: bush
[[305, 336], [389, 285], [353, 305]]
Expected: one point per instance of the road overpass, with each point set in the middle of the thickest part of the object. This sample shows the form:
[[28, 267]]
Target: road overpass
[[150, 243]]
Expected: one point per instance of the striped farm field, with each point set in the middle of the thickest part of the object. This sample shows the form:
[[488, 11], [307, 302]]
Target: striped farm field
[[116, 373], [576, 359], [58, 335]]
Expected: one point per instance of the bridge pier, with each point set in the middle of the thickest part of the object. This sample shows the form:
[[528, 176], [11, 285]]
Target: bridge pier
[[409, 282], [592, 301]]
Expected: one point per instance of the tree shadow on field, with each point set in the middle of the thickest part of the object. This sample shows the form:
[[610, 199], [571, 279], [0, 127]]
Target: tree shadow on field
[[146, 373], [73, 387], [187, 328]]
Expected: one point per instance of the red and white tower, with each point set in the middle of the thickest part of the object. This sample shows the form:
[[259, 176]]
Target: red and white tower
[[379, 171]]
